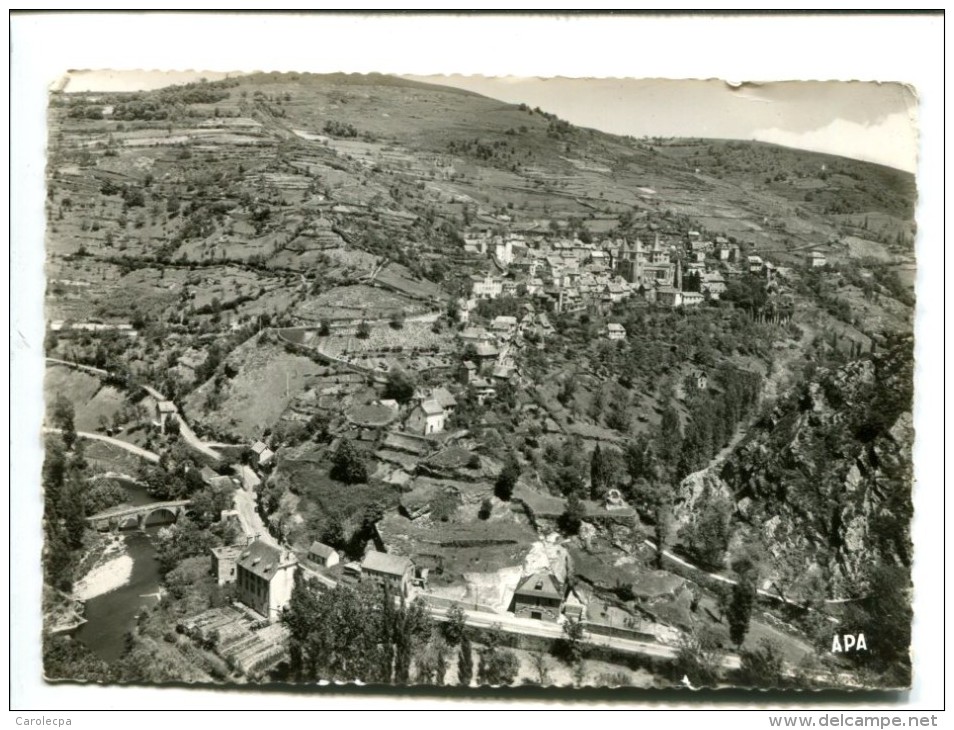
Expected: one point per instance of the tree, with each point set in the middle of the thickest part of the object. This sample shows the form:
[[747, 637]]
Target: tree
[[400, 386], [599, 474], [319, 428], [570, 646], [670, 437], [707, 538], [507, 479], [465, 663], [885, 613], [353, 633], [209, 502], [697, 657], [348, 466], [333, 534], [572, 518], [662, 529], [540, 666], [486, 509], [740, 609], [455, 625], [497, 666], [62, 417], [364, 330], [762, 667]]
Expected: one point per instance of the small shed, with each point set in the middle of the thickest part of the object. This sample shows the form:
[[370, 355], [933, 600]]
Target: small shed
[[324, 555]]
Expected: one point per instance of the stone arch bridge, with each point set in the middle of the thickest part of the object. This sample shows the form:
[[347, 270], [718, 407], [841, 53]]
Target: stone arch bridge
[[129, 517]]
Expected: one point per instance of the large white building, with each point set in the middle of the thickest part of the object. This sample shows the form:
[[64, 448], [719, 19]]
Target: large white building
[[265, 578], [486, 287]]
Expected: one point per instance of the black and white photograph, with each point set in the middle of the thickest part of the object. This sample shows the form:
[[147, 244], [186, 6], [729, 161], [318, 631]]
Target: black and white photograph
[[477, 381]]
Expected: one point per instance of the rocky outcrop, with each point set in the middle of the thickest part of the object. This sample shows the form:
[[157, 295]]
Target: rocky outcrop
[[821, 485]]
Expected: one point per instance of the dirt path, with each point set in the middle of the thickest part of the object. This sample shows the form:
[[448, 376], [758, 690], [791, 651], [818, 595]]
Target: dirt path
[[77, 366], [131, 448]]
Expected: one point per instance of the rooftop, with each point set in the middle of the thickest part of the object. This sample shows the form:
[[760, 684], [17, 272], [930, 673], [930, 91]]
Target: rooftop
[[431, 407], [320, 549], [540, 584], [263, 559], [386, 563]]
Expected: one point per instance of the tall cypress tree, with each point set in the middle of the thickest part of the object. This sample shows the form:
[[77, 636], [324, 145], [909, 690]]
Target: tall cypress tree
[[465, 663], [740, 609], [599, 474]]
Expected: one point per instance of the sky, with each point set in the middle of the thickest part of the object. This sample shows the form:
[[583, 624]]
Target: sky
[[869, 121]]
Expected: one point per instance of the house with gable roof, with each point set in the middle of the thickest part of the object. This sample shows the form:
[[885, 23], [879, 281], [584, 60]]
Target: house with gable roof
[[539, 596], [265, 576], [393, 571], [427, 417]]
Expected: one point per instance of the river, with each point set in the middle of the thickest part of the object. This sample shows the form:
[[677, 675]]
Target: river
[[111, 615]]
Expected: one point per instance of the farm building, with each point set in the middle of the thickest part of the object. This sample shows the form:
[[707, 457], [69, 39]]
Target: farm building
[[615, 331], [393, 571], [263, 454], [165, 409], [817, 259], [698, 379], [324, 555]]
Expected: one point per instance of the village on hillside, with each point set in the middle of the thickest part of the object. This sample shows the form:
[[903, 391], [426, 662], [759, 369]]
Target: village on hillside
[[316, 412]]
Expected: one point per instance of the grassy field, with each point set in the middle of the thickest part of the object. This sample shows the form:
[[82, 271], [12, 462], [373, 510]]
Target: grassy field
[[353, 302], [268, 380], [91, 401]]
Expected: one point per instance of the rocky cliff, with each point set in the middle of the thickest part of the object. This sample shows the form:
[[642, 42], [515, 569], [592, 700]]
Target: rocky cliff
[[820, 489]]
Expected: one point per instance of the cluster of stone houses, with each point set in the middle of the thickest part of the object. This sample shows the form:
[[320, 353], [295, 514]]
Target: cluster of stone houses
[[575, 275]]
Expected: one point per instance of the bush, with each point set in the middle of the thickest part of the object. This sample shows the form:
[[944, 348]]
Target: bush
[[348, 466]]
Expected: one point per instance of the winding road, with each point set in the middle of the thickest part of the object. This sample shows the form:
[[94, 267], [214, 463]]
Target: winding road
[[131, 448]]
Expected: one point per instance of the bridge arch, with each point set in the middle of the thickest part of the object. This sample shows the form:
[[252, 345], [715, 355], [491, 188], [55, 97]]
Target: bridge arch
[[160, 516]]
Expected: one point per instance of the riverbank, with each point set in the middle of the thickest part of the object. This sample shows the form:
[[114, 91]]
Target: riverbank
[[112, 569]]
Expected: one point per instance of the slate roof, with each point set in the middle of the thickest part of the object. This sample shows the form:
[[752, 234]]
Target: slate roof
[[540, 584], [321, 550], [431, 408], [386, 563], [261, 559], [444, 398]]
